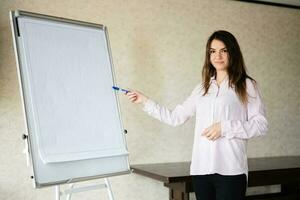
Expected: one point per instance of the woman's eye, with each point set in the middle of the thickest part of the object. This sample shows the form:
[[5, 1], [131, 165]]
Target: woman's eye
[[212, 51]]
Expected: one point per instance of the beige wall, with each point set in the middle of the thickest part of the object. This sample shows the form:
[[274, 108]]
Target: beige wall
[[158, 47]]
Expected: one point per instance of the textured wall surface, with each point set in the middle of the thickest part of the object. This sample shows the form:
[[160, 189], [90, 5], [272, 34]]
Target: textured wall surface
[[158, 47]]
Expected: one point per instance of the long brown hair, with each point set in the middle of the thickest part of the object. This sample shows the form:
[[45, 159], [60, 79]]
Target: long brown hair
[[236, 67]]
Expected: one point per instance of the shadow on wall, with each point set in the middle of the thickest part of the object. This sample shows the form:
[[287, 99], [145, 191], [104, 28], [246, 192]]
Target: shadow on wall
[[9, 86]]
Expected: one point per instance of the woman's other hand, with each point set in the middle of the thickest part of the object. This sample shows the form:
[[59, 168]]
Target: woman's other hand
[[136, 97], [213, 132]]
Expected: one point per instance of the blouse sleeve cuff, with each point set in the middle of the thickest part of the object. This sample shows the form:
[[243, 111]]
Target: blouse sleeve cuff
[[226, 129], [149, 105]]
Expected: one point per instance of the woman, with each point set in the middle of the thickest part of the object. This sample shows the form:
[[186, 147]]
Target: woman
[[229, 111]]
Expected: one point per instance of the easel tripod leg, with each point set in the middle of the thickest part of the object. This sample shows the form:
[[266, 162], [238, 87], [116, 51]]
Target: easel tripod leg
[[109, 190], [57, 192], [70, 195]]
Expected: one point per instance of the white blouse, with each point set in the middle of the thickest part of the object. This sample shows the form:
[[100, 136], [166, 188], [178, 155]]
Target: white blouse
[[226, 155]]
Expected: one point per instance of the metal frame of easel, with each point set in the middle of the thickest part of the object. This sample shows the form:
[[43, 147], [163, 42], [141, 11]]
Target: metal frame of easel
[[72, 190]]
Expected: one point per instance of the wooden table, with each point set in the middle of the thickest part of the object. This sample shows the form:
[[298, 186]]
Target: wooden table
[[262, 172]]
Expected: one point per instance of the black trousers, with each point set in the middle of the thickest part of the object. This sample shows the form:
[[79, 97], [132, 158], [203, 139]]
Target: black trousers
[[220, 187]]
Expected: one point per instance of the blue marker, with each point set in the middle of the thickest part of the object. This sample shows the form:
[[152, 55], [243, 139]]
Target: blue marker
[[120, 89]]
